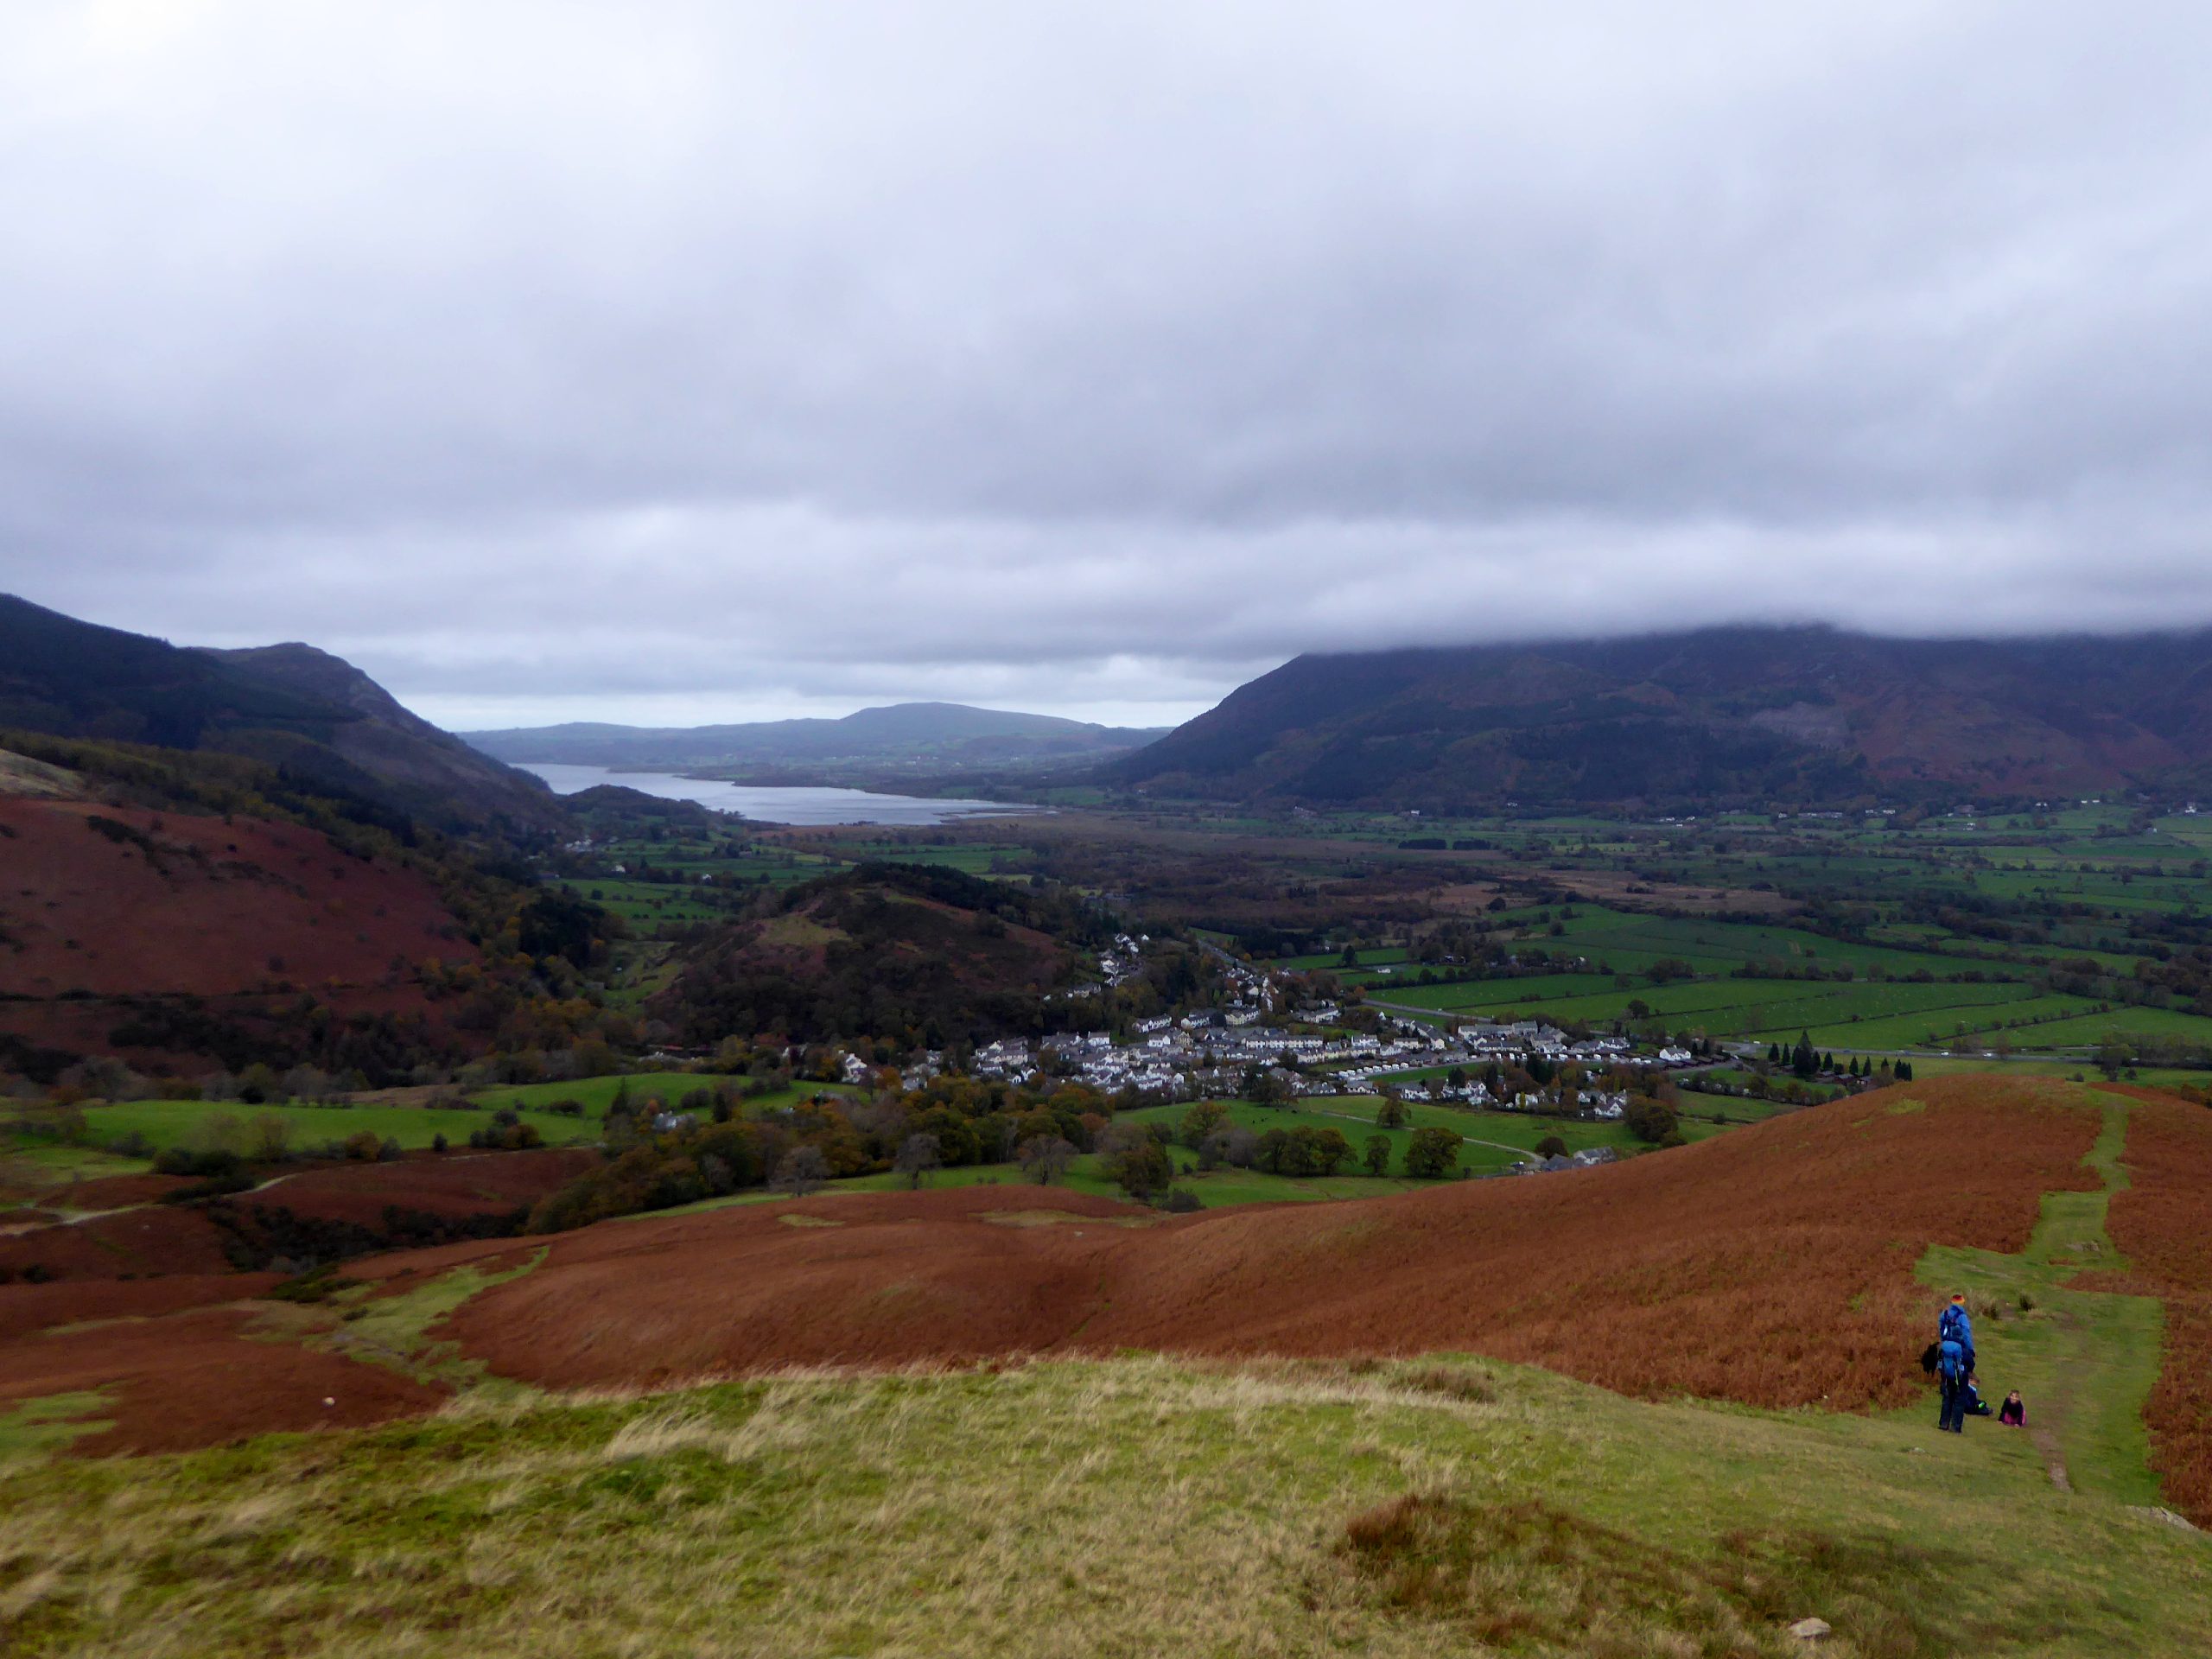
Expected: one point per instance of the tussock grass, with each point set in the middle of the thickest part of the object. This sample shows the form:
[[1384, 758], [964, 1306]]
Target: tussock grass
[[1132, 1506], [1526, 1574], [38, 1426]]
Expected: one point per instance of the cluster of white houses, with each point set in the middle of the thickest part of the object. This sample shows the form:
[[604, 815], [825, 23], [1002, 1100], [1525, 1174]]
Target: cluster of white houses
[[1208, 1053], [1125, 959]]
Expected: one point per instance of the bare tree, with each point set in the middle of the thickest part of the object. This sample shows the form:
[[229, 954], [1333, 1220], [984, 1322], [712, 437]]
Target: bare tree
[[1046, 1157], [802, 1171], [917, 1156]]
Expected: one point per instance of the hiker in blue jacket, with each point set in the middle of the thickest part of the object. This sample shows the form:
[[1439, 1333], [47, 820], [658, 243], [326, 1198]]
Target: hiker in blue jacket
[[1954, 1364]]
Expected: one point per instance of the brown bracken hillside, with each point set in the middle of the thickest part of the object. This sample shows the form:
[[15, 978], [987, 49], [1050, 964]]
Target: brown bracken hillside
[[1773, 1266], [102, 903]]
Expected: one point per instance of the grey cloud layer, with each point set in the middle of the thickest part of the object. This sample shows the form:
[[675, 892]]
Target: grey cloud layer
[[560, 358]]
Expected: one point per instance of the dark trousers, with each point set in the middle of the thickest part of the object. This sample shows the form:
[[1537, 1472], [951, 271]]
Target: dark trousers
[[1955, 1405]]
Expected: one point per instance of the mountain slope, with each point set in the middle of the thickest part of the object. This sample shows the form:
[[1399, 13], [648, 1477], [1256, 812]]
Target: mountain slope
[[1719, 716], [946, 736], [290, 706], [188, 940], [388, 741]]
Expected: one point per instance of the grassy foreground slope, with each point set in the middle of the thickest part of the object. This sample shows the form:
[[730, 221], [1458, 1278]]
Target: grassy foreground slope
[[1131, 1506], [1221, 1495]]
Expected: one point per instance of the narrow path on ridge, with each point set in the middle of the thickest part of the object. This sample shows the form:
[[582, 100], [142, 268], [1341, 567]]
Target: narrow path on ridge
[[2083, 1360]]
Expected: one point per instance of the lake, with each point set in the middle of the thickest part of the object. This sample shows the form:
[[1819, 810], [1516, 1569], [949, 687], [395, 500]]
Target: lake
[[776, 805]]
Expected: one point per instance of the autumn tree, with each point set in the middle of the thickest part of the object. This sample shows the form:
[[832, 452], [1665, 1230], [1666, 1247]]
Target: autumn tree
[[1378, 1154], [1432, 1153], [1139, 1168], [1651, 1121], [1200, 1122], [1326, 1150]]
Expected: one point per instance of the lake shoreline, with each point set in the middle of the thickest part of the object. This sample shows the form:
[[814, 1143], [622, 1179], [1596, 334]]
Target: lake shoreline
[[797, 806]]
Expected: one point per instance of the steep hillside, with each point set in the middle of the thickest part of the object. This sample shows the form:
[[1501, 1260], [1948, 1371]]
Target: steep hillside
[[921, 737], [881, 948], [170, 938], [1723, 717], [401, 749], [109, 901], [321, 719]]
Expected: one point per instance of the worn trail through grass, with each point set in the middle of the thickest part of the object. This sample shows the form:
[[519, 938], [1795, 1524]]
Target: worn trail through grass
[[2084, 1360]]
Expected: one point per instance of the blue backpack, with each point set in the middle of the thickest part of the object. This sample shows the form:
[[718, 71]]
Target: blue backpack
[[1955, 1327], [1951, 1359]]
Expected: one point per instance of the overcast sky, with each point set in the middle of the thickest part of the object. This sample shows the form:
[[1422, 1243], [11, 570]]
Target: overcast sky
[[665, 363]]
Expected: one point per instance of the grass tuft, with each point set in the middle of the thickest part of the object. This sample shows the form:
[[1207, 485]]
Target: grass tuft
[[1528, 1573]]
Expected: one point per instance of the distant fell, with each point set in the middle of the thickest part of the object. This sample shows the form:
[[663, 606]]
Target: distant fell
[[318, 717], [391, 742], [922, 737], [1713, 718]]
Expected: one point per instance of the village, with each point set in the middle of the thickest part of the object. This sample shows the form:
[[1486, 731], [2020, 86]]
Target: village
[[1268, 1038]]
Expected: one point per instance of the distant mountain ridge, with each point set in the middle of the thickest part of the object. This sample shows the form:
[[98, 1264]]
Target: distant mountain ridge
[[1720, 716], [925, 736], [289, 705]]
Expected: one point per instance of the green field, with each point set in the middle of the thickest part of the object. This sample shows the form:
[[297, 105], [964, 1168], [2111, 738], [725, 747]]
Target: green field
[[973, 858], [2088, 1030], [1935, 1066], [596, 1094], [1727, 995], [1214, 1189], [1493, 1140], [653, 901], [1726, 1006], [167, 1123]]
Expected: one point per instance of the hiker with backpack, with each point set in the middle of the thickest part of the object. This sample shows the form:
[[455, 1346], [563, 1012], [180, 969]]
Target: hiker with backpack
[[1954, 1364]]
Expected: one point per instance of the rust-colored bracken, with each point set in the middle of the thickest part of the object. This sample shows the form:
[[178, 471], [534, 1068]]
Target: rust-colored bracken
[[198, 1377], [1773, 1266]]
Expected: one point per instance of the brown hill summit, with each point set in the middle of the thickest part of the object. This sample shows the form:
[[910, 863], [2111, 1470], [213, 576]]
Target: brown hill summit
[[320, 719]]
